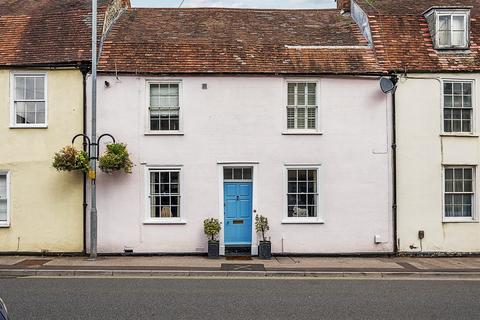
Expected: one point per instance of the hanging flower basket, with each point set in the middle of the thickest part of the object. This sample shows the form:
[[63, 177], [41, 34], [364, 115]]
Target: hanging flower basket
[[70, 159], [116, 158]]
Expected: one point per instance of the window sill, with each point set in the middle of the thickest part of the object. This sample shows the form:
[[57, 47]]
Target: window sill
[[4, 225], [164, 133], [302, 132], [166, 221], [43, 126], [460, 134], [459, 220], [302, 221]]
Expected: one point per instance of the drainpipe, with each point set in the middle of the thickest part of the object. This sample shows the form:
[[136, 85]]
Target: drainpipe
[[84, 69], [394, 79]]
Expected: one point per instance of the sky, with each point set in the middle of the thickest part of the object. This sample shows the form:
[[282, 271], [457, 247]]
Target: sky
[[293, 4]]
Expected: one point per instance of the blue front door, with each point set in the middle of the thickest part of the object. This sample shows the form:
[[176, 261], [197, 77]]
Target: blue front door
[[238, 213]]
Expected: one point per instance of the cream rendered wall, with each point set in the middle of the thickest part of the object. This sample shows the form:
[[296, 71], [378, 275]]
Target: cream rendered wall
[[240, 119], [422, 150], [45, 206]]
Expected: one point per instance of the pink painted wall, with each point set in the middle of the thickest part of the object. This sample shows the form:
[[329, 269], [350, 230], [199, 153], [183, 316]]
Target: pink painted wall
[[242, 119]]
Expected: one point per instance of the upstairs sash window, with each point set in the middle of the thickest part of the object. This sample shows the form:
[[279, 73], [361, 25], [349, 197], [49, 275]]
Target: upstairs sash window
[[164, 109], [29, 100]]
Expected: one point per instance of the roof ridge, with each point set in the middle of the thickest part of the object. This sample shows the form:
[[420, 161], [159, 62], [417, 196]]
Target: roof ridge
[[231, 9]]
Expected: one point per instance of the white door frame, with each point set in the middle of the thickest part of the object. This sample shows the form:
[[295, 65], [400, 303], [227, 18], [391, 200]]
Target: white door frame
[[221, 212]]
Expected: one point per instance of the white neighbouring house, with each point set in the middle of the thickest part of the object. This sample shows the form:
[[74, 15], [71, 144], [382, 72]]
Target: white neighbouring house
[[230, 113], [433, 47]]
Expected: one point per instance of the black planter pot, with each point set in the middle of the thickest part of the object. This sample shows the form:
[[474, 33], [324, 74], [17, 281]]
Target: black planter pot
[[265, 250], [213, 249]]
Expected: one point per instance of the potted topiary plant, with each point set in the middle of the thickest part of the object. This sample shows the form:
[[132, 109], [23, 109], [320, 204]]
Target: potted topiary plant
[[265, 246], [212, 228], [116, 158], [70, 159]]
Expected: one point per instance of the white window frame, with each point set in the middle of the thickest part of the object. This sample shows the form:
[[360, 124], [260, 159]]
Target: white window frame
[[474, 217], [148, 218], [13, 116], [150, 132], [463, 13], [6, 224], [306, 131], [474, 108], [320, 212]]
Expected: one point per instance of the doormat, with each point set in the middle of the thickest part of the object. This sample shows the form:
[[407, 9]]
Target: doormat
[[239, 257], [242, 267], [32, 262]]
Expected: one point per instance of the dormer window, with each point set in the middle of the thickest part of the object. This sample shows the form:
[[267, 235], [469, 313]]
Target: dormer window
[[449, 28], [452, 30]]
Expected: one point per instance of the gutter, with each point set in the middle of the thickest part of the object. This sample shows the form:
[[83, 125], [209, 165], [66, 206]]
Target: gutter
[[245, 74], [84, 68]]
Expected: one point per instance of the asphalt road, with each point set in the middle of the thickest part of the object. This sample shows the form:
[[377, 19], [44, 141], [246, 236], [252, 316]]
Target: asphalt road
[[107, 298]]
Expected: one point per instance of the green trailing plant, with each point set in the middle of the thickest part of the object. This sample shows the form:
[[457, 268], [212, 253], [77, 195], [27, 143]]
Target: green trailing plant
[[70, 159], [261, 225], [212, 228], [115, 158]]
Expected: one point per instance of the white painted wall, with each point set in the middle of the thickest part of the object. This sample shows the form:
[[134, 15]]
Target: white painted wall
[[422, 150], [241, 119]]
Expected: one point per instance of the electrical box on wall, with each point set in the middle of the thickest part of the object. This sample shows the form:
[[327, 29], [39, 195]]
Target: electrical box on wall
[[378, 239]]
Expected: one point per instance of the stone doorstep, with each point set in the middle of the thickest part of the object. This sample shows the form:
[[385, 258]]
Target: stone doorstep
[[238, 274]]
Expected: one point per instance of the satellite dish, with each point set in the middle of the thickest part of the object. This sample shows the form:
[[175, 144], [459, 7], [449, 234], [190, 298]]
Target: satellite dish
[[387, 85]]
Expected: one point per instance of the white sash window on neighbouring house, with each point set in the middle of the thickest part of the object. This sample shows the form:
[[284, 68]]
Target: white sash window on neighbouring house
[[459, 191], [457, 106], [29, 100], [302, 106], [164, 106], [4, 201]]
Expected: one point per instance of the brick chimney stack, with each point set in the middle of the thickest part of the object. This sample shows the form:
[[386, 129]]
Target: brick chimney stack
[[344, 5]]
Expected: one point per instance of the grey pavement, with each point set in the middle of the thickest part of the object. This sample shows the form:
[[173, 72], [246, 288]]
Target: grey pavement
[[143, 266], [65, 298]]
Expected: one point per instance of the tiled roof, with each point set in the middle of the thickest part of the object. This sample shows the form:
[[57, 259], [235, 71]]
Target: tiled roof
[[212, 40], [45, 32], [403, 41]]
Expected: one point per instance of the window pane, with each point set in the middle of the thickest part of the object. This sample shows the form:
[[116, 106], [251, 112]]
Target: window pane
[[447, 88], [302, 175], [448, 101], [292, 187], [458, 38], [312, 211], [19, 88], [227, 173], [457, 101], [458, 32], [290, 118], [292, 175], [164, 177], [444, 38], [3, 197], [467, 88], [292, 200], [237, 173], [301, 94], [247, 173], [301, 118], [39, 88], [302, 187], [30, 88], [444, 23]]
